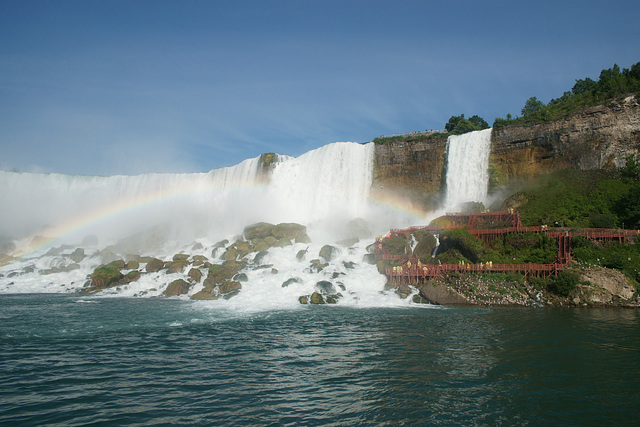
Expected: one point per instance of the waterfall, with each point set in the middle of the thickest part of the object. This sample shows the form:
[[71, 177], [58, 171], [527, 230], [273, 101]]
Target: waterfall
[[467, 168], [333, 179]]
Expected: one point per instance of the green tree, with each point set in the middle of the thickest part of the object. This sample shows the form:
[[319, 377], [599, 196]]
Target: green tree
[[479, 122], [533, 105], [453, 121]]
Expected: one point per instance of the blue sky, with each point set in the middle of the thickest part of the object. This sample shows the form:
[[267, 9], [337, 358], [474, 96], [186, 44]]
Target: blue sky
[[128, 87]]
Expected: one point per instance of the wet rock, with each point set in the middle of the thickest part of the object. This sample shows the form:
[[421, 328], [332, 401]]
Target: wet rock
[[105, 276], [371, 259], [302, 254], [229, 286], [218, 273], [199, 260], [261, 246], [317, 265], [132, 265], [291, 281], [260, 230], [240, 277], [350, 265], [73, 266], [303, 299], [197, 247], [325, 287], [231, 254], [288, 230], [177, 287], [260, 257], [181, 257], [131, 276], [207, 293], [221, 244], [177, 266], [316, 298], [303, 238], [195, 275], [348, 242], [154, 265], [281, 243], [328, 252], [77, 255], [120, 264]]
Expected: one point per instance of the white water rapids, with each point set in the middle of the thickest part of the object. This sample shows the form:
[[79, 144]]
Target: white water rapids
[[323, 189]]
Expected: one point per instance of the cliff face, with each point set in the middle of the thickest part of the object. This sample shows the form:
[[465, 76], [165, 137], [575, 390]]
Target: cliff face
[[412, 170], [597, 137]]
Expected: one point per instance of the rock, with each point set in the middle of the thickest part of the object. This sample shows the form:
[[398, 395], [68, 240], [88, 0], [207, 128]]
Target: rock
[[281, 243], [291, 281], [197, 247], [303, 238], [370, 258], [300, 256], [424, 248], [177, 287], [260, 257], [195, 275], [218, 273], [181, 257], [229, 286], [260, 230], [270, 240], [316, 298], [317, 265], [290, 231], [261, 246], [199, 260], [77, 255], [231, 254], [613, 281], [133, 265], [303, 299], [205, 294], [177, 266], [350, 265], [120, 264], [154, 265], [105, 276], [325, 287], [221, 244], [328, 252], [73, 266], [348, 242], [243, 247], [240, 277], [131, 276]]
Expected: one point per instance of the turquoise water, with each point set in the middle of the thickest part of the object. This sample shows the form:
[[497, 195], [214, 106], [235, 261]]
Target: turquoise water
[[70, 360]]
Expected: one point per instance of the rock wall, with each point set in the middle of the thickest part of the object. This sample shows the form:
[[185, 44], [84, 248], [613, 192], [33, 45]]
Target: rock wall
[[412, 170], [597, 137]]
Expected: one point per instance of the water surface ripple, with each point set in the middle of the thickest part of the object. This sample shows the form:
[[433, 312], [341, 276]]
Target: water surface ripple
[[71, 361]]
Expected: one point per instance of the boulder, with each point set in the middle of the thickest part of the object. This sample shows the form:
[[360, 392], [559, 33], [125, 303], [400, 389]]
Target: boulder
[[316, 298], [229, 286], [261, 245], [131, 276], [288, 230], [300, 256], [370, 258], [328, 252], [218, 273], [77, 255], [291, 281], [260, 257], [303, 238], [424, 248], [105, 276], [231, 254], [260, 230], [177, 266], [195, 275], [177, 287], [205, 294], [181, 257], [325, 287], [199, 260], [240, 277], [281, 243], [132, 265], [154, 265]]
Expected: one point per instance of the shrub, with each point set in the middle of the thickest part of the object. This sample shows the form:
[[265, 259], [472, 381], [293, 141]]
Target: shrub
[[564, 283]]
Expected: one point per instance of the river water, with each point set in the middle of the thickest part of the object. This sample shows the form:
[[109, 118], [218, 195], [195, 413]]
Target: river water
[[68, 360]]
